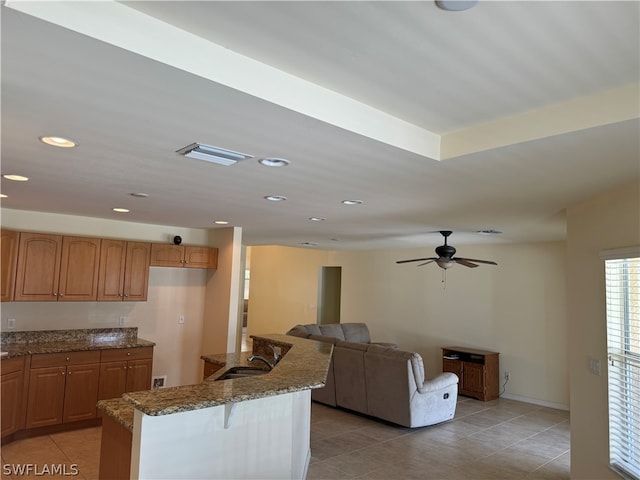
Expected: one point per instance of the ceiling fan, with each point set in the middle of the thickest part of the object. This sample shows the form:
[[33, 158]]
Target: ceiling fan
[[445, 258]]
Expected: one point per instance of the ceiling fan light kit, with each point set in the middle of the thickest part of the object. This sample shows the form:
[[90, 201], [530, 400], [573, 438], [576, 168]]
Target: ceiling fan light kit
[[445, 258]]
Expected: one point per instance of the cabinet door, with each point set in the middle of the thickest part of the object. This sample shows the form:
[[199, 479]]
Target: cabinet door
[[113, 380], [113, 254], [11, 391], [200, 257], [167, 255], [38, 268], [473, 378], [81, 392], [46, 396], [139, 375], [136, 278], [9, 251], [79, 269]]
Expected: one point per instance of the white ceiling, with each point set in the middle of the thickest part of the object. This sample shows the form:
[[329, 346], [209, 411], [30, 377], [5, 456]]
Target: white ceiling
[[497, 117]]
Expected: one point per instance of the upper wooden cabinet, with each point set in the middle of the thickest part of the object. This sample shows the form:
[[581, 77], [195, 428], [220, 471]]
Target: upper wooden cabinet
[[53, 267], [9, 240], [124, 271], [167, 255]]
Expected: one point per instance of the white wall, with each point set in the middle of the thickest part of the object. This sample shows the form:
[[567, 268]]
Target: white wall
[[607, 221], [172, 292], [516, 308]]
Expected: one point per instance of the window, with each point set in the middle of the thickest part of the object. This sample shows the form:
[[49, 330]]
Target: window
[[623, 350]]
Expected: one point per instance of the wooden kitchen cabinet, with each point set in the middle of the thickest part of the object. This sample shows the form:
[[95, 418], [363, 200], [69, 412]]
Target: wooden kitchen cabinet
[[124, 271], [63, 388], [187, 256], [125, 370], [55, 267], [477, 371], [9, 240], [11, 395]]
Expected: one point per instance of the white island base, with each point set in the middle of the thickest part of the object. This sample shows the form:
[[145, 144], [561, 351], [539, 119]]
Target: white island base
[[261, 438]]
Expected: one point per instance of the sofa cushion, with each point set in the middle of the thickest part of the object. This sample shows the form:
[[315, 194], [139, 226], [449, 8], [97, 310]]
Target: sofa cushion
[[356, 332], [332, 330], [323, 338], [299, 331]]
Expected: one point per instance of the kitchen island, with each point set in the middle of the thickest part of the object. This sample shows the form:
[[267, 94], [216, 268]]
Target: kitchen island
[[250, 427]]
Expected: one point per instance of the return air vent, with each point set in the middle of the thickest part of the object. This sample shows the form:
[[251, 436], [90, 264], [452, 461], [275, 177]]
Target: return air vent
[[208, 153]]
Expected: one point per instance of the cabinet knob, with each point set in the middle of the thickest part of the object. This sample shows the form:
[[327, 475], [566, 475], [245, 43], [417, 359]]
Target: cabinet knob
[[61, 294], [67, 359], [54, 294], [128, 354], [62, 373]]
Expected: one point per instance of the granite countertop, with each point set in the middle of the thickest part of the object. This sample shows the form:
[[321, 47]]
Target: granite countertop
[[303, 367], [17, 344]]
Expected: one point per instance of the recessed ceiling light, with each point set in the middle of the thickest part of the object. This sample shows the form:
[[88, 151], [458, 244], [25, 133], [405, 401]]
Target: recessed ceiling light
[[352, 202], [456, 5], [309, 244], [139, 195], [58, 142], [317, 219], [274, 162], [221, 222], [2, 195], [489, 231], [120, 210], [212, 154], [16, 178], [275, 198]]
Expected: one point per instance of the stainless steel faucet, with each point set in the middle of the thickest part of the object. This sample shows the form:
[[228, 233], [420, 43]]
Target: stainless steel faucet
[[276, 357], [260, 357]]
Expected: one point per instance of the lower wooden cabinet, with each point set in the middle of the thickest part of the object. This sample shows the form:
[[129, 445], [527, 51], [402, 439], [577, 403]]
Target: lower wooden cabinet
[[125, 370], [64, 392], [12, 393]]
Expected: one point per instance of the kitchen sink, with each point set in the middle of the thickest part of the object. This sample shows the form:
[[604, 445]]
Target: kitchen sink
[[241, 372]]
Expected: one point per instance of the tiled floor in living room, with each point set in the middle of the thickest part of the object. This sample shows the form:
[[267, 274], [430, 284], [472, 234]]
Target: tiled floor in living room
[[502, 439]]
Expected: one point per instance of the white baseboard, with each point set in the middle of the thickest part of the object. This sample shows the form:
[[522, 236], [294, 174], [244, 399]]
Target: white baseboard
[[535, 401]]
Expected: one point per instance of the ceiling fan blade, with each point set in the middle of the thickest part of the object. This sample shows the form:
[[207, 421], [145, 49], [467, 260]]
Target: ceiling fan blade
[[425, 263], [488, 262], [465, 262], [417, 260]]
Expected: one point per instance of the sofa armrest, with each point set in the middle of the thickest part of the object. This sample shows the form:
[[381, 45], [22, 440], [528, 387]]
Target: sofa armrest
[[443, 380], [386, 344]]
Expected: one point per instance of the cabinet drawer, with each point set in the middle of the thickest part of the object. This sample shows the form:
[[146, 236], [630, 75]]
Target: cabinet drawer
[[69, 358], [120, 354], [11, 365]]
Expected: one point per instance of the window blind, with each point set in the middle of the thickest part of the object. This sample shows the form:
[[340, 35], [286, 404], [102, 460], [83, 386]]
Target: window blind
[[623, 349]]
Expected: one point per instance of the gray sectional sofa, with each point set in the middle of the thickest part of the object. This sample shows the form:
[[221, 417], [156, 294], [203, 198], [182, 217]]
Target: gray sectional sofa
[[378, 379]]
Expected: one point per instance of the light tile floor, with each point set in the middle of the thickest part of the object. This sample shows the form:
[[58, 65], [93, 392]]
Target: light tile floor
[[502, 439]]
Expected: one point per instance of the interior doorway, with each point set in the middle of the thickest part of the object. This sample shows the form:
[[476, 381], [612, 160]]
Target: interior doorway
[[329, 289]]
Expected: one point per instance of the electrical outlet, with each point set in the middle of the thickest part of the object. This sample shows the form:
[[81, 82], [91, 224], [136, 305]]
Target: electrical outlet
[[123, 321], [507, 376], [11, 323], [180, 319]]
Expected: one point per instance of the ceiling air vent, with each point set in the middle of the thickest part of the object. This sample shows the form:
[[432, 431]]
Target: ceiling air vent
[[221, 156]]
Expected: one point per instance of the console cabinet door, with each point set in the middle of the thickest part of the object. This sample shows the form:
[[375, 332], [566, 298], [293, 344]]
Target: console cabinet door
[[81, 392], [9, 240], [473, 379], [46, 396], [38, 269]]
